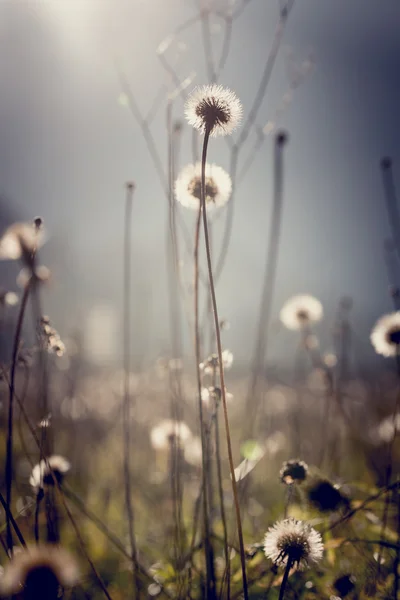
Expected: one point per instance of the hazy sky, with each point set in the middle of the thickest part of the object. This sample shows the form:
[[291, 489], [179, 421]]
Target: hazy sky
[[68, 144]]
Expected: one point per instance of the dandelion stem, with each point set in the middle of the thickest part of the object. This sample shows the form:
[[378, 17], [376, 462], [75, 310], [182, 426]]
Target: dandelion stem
[[208, 551], [9, 443], [13, 521], [127, 397], [269, 278], [220, 361], [222, 508], [285, 578], [391, 200]]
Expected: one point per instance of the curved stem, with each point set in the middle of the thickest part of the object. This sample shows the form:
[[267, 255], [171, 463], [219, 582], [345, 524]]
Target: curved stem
[[9, 443], [207, 540], [221, 366]]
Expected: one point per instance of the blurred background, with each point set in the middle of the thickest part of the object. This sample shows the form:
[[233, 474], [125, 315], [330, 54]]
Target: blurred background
[[69, 142]]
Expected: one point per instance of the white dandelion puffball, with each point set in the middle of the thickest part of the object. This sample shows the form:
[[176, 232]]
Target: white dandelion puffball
[[293, 540], [299, 311], [211, 364], [192, 451], [42, 474], [19, 240], [385, 336], [215, 109], [38, 567], [168, 430], [218, 186]]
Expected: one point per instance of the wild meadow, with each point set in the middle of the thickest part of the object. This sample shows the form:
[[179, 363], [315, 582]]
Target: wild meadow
[[191, 475]]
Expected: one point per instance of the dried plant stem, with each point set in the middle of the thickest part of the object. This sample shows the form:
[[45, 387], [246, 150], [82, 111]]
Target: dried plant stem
[[227, 573], [126, 424], [254, 394], [396, 499], [82, 543], [391, 200], [208, 551], [285, 578], [9, 443], [12, 520], [220, 362]]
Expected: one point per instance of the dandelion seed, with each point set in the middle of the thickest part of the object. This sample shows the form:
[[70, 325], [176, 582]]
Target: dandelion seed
[[326, 497], [42, 474], [21, 240], [385, 336], [39, 571], [300, 311], [215, 109], [293, 471], [217, 190], [168, 430], [295, 541]]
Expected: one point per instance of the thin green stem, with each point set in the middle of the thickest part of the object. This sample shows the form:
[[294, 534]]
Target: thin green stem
[[221, 365]]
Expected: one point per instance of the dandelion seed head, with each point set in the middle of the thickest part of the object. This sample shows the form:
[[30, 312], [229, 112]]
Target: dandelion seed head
[[210, 365], [385, 336], [42, 474], [168, 430], [8, 298], [293, 471], [300, 311], [293, 540], [40, 274], [218, 186], [330, 359], [20, 240], [281, 138], [326, 497], [192, 451], [36, 568], [215, 109], [38, 222]]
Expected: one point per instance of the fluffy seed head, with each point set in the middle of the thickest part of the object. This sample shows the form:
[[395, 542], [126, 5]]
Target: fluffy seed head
[[326, 497], [293, 540], [300, 311], [21, 240], [293, 471], [167, 431], [42, 474], [188, 186], [39, 570], [210, 365], [213, 108], [385, 336]]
